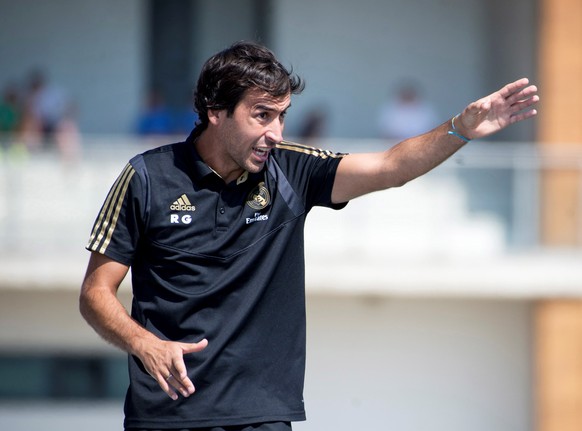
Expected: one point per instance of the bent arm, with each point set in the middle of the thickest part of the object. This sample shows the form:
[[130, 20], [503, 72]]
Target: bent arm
[[359, 174], [102, 309], [99, 305]]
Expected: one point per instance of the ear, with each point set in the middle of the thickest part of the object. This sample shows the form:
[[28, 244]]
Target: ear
[[215, 115]]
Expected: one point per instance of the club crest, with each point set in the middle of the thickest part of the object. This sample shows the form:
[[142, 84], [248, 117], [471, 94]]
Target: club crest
[[259, 197]]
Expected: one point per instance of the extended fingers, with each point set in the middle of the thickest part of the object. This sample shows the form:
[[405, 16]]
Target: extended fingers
[[516, 94], [183, 382], [523, 115], [166, 385], [526, 94], [179, 381], [194, 347], [513, 87], [522, 104], [176, 378], [171, 373]]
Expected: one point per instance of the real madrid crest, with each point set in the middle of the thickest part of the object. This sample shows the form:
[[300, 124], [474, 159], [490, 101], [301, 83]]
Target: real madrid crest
[[259, 197]]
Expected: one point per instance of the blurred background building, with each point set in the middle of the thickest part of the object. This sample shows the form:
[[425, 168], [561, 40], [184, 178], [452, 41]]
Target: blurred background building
[[452, 303]]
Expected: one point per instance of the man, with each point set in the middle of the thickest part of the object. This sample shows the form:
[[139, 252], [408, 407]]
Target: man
[[212, 229]]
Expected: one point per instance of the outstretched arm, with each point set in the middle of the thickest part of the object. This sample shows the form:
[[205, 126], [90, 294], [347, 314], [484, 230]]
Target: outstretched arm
[[99, 305], [359, 174]]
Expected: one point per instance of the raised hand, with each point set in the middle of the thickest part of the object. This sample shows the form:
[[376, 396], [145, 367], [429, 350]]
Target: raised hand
[[514, 102]]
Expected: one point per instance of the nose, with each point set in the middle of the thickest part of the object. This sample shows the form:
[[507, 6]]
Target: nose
[[275, 133]]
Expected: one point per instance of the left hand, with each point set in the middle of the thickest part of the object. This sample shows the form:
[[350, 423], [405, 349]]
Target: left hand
[[513, 103]]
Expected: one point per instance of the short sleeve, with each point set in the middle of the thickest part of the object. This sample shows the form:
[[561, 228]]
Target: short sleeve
[[311, 172], [120, 222]]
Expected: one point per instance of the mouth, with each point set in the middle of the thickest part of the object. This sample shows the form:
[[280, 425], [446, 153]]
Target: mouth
[[261, 153]]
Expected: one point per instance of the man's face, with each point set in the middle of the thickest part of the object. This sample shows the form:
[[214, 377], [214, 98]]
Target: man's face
[[248, 135]]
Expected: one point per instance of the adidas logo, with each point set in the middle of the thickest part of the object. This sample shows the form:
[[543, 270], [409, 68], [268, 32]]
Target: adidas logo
[[182, 204]]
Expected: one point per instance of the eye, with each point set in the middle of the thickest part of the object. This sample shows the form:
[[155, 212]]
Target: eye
[[263, 115]]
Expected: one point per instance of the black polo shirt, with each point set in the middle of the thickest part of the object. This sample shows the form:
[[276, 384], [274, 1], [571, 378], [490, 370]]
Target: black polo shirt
[[223, 262]]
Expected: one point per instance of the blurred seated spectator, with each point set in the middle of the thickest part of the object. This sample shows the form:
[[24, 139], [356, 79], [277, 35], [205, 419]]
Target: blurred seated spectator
[[9, 110], [313, 126], [68, 137], [406, 114], [185, 120], [46, 104], [156, 118], [43, 108]]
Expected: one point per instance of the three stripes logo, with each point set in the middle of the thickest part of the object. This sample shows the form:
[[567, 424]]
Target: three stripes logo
[[107, 220], [182, 204]]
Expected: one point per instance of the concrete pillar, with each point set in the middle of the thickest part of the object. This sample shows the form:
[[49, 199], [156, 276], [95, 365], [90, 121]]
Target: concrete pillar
[[559, 322], [559, 365], [560, 124]]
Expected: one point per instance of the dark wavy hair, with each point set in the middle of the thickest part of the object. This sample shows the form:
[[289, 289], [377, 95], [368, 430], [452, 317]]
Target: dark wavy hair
[[227, 75]]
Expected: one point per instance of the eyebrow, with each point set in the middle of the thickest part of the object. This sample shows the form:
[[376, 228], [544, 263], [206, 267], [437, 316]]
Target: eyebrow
[[266, 107]]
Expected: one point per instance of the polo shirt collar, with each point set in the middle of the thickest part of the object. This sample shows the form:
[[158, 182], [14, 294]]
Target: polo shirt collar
[[200, 171]]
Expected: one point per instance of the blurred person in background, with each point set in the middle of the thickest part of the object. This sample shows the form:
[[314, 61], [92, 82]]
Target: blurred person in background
[[45, 107], [10, 120], [185, 116], [156, 117], [68, 137], [212, 229], [10, 110], [407, 113], [313, 127]]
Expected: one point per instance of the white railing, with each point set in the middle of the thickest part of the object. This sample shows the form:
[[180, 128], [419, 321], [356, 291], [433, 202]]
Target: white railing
[[491, 191]]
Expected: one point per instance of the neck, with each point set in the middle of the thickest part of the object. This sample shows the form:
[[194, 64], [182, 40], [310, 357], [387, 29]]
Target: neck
[[210, 152]]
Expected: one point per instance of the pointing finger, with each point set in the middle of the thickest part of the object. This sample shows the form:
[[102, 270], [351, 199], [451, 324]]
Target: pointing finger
[[194, 347]]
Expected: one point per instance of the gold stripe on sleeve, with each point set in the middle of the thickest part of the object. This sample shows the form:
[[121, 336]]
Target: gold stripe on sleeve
[[114, 200], [116, 212], [317, 152]]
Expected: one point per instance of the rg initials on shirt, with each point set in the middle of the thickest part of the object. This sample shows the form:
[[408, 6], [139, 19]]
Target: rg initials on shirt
[[185, 219]]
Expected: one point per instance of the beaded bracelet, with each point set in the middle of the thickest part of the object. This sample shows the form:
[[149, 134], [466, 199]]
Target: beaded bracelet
[[454, 131]]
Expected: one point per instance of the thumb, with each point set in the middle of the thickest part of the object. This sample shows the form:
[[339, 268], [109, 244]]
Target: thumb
[[194, 347], [473, 115], [486, 105]]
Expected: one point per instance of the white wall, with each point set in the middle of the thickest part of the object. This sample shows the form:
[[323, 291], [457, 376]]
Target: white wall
[[353, 53], [418, 364], [390, 363], [219, 24]]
